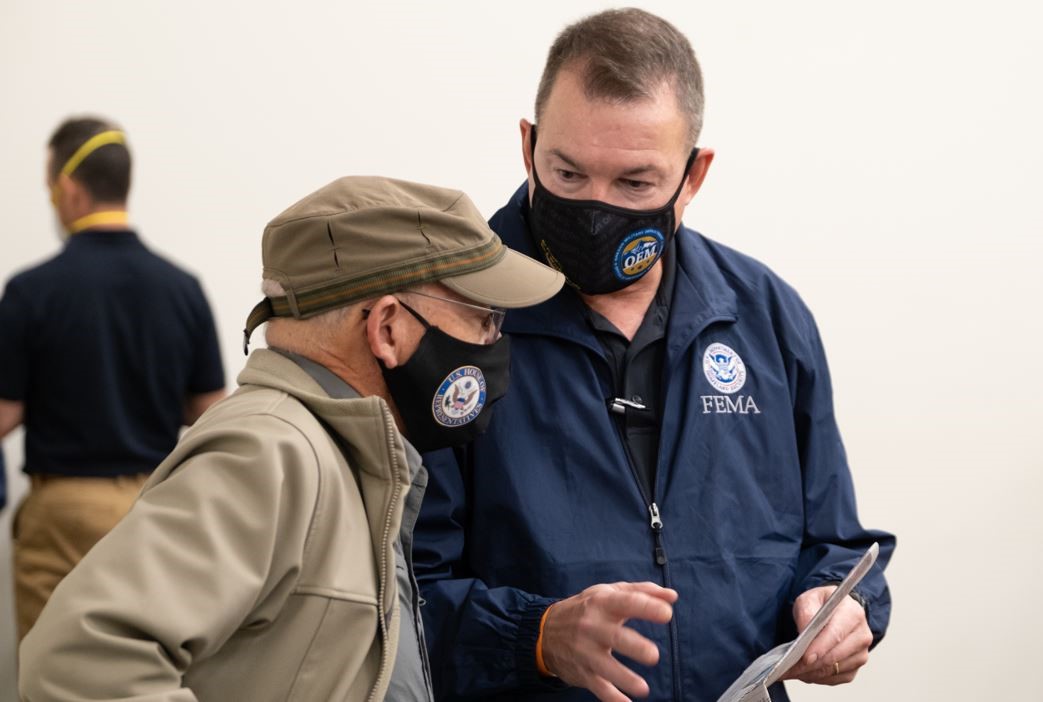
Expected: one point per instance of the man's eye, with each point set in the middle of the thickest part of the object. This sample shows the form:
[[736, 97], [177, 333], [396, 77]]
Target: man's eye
[[568, 176], [637, 185], [488, 323]]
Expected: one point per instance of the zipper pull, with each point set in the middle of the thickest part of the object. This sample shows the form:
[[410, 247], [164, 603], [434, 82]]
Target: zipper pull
[[657, 530], [653, 511]]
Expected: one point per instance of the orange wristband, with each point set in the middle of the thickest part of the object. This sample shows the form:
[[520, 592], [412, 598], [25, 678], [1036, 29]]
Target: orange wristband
[[541, 667]]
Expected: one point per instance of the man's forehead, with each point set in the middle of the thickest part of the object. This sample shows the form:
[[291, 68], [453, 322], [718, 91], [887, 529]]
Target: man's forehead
[[643, 133], [623, 163]]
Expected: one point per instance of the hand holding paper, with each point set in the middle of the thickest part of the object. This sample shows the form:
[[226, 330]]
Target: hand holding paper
[[834, 630], [844, 641]]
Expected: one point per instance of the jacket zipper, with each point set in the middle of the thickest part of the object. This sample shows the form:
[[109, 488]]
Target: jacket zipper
[[385, 645], [655, 521]]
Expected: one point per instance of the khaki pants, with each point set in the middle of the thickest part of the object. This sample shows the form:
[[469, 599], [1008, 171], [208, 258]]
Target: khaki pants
[[57, 523]]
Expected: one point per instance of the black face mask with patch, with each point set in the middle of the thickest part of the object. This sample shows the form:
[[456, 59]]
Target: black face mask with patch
[[445, 391], [599, 247]]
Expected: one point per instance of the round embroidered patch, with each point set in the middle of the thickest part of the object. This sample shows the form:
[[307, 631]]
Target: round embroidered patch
[[460, 398], [724, 368], [637, 253]]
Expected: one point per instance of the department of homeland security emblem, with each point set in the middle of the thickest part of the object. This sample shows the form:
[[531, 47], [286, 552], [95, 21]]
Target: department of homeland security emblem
[[460, 398], [724, 369], [637, 253]]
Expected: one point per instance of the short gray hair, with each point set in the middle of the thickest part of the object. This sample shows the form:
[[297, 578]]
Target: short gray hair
[[626, 55], [301, 332]]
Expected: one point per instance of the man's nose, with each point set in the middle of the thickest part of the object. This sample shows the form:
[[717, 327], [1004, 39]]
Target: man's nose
[[599, 189]]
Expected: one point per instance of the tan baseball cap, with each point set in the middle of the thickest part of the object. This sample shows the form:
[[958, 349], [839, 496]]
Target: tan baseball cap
[[364, 236]]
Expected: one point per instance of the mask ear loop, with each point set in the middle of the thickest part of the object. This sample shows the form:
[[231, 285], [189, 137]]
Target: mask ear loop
[[532, 155], [687, 169], [419, 317]]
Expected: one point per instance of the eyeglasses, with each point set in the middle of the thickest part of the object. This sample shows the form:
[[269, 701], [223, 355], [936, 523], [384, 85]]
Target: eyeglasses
[[491, 322]]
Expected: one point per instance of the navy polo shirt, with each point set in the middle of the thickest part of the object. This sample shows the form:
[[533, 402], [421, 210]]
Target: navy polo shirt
[[104, 343], [637, 374]]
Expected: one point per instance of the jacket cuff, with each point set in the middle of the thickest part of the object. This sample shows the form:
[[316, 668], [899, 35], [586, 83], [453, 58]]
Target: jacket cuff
[[525, 646]]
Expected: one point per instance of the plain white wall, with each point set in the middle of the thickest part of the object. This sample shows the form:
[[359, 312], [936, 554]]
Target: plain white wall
[[884, 157]]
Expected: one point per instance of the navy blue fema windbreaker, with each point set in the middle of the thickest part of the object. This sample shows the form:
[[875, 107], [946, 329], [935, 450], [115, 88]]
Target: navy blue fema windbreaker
[[752, 487]]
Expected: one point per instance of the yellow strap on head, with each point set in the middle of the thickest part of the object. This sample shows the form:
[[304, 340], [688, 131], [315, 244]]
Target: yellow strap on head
[[88, 147]]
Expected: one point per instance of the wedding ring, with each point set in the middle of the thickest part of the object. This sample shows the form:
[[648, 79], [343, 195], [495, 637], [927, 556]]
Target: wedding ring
[[836, 668]]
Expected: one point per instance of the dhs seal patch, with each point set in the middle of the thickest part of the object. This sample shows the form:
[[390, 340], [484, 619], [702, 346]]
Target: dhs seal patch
[[460, 398], [637, 253], [724, 369]]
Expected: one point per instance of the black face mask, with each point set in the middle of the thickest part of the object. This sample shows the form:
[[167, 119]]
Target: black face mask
[[599, 247], [446, 389]]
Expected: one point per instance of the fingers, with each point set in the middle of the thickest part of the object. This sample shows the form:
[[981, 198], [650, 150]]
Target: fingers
[[808, 604], [606, 692], [581, 633], [840, 649], [634, 646], [606, 630], [591, 662], [841, 672], [846, 632], [637, 602], [856, 643], [664, 593], [619, 676]]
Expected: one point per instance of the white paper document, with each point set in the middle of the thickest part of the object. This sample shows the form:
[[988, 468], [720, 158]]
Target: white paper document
[[753, 684]]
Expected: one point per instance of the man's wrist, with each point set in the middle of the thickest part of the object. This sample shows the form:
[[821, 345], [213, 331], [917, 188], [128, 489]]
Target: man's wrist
[[526, 637], [854, 594], [541, 665]]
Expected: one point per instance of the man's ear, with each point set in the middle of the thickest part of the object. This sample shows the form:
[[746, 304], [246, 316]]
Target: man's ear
[[696, 176], [388, 333], [526, 134], [74, 193]]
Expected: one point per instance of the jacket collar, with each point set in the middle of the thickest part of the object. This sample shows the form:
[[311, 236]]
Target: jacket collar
[[365, 423], [338, 389], [699, 289]]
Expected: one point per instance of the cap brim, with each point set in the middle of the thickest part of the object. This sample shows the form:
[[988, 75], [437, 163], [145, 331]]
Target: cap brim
[[514, 281]]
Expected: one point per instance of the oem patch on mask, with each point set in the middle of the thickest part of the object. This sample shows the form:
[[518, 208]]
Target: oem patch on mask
[[460, 398], [724, 368], [637, 253]]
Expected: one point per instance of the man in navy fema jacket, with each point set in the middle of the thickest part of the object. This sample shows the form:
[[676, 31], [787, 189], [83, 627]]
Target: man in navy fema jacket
[[663, 495]]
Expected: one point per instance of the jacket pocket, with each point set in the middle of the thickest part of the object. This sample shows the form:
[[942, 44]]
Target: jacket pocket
[[342, 659], [319, 647]]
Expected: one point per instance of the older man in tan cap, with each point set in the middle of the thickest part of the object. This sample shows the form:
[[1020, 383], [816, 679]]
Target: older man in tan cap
[[268, 557]]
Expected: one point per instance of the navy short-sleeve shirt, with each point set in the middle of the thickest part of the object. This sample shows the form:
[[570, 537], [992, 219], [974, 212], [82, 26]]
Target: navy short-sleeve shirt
[[104, 343]]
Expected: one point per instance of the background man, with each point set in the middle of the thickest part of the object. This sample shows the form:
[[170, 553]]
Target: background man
[[107, 349], [269, 562], [671, 427]]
